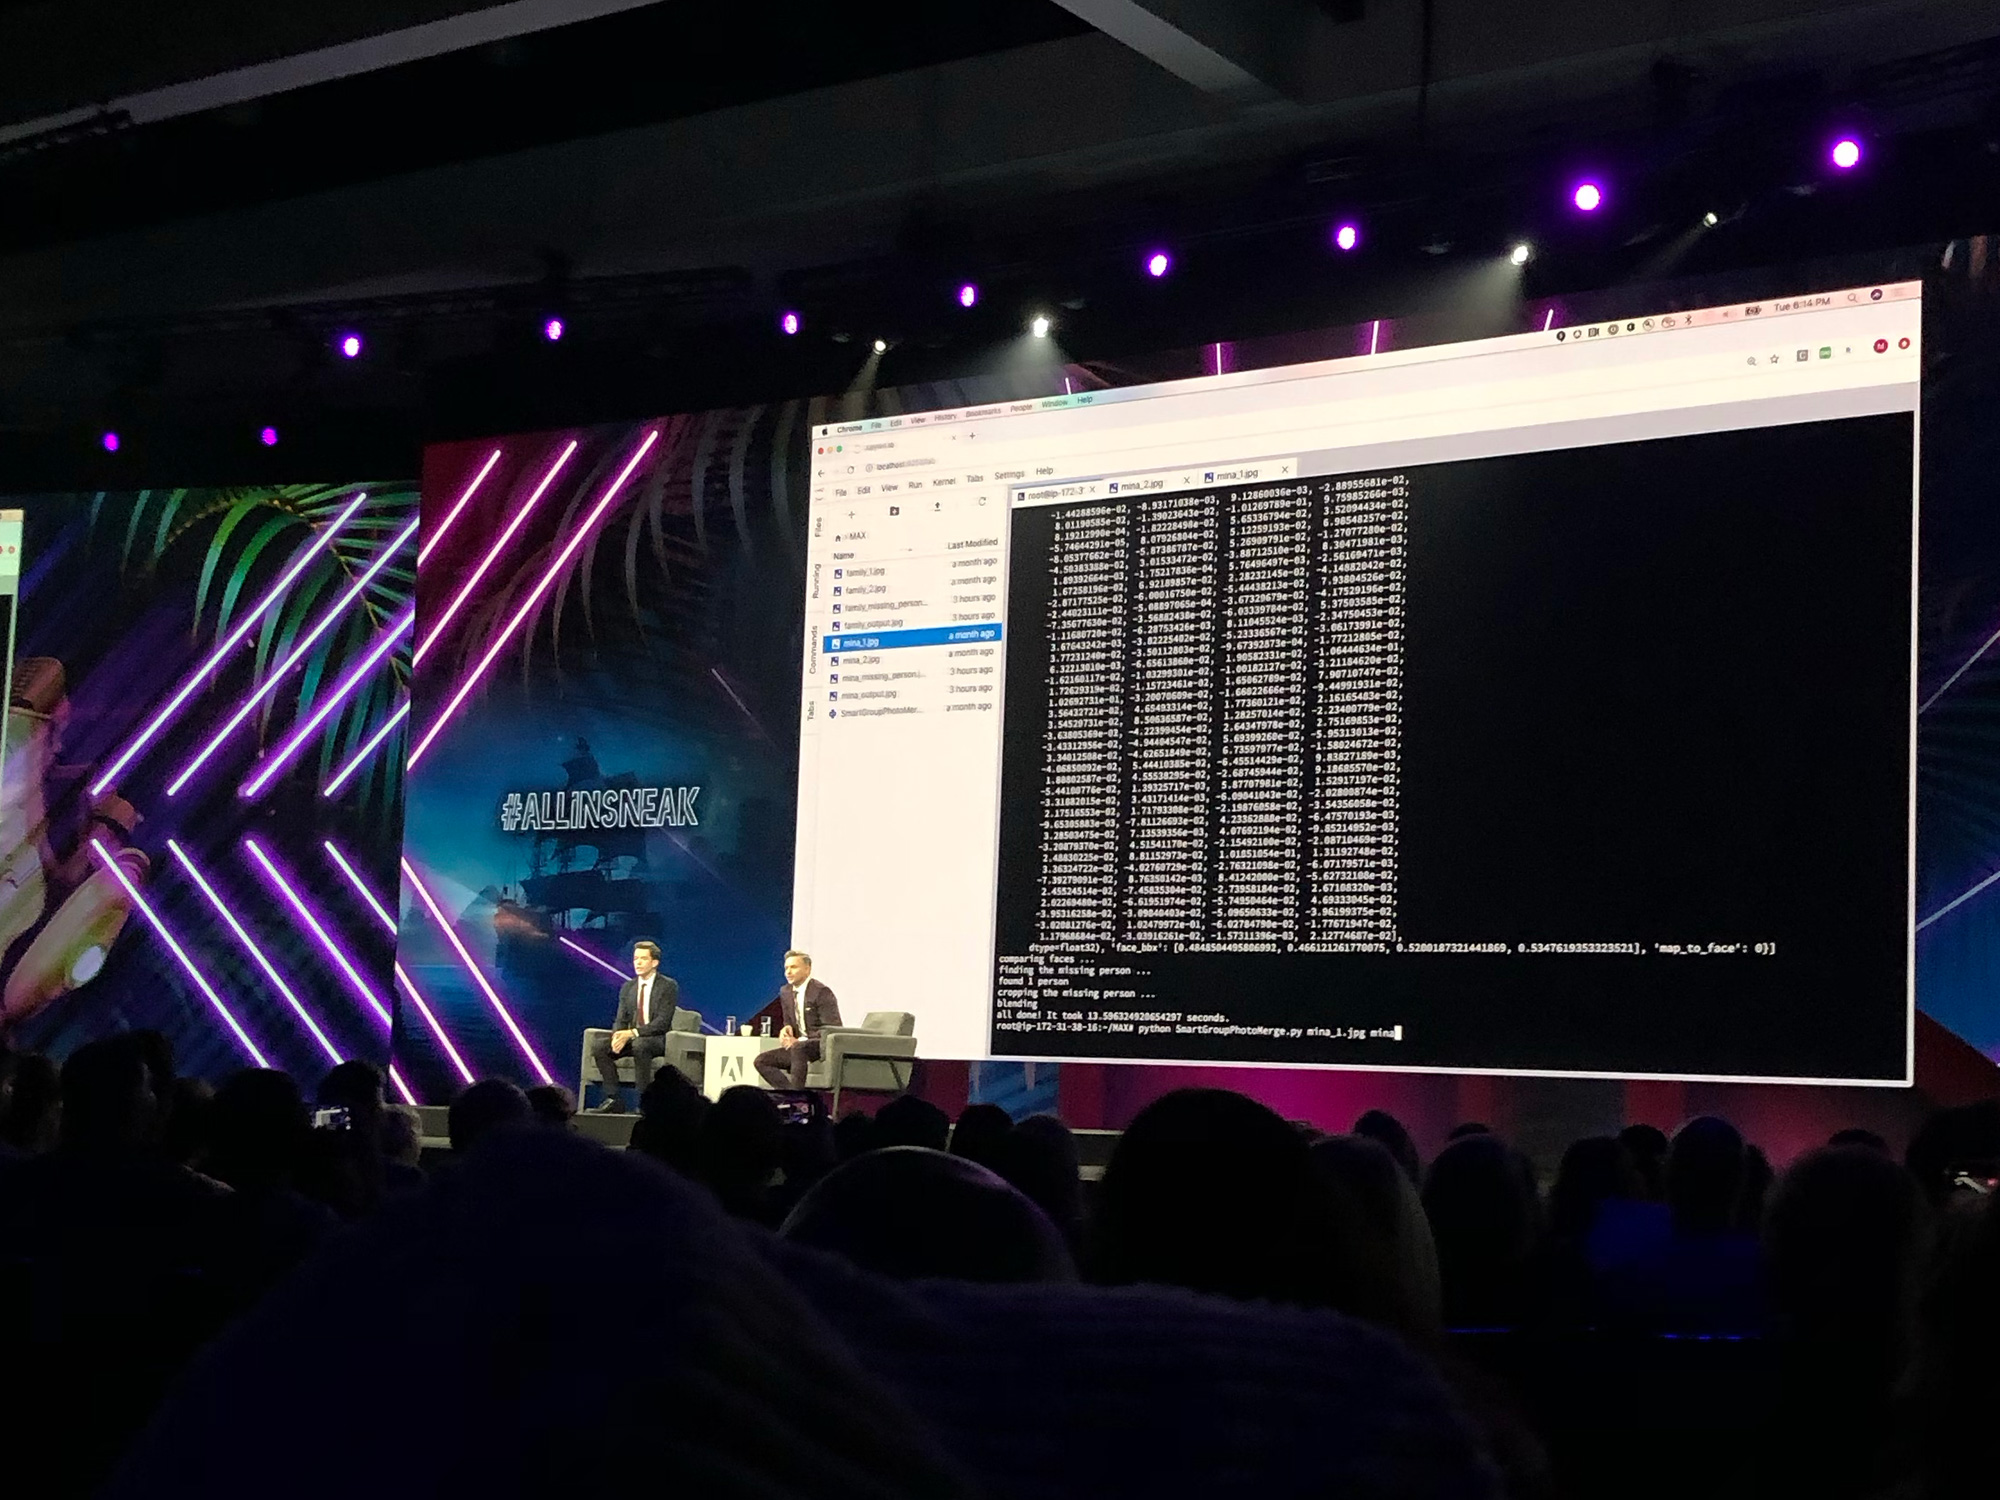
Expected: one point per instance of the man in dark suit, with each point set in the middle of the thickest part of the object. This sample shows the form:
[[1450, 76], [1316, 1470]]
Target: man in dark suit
[[805, 1007], [645, 1015]]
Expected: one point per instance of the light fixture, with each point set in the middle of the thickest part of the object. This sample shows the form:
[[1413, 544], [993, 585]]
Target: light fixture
[[1588, 197], [268, 437], [788, 324], [1158, 264], [553, 329], [350, 346], [881, 346], [109, 442], [967, 295], [1346, 236], [1710, 219], [1040, 327], [1846, 153], [1520, 253]]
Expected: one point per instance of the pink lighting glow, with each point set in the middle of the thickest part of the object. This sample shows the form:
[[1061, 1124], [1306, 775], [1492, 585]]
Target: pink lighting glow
[[110, 442], [1158, 264], [548, 579], [464, 957], [1588, 197], [350, 346], [789, 324], [296, 655], [228, 644], [321, 711], [967, 295], [553, 329], [1846, 153], [604, 964], [492, 554], [1347, 236], [110, 862], [424, 550], [250, 947], [268, 437], [367, 749], [409, 986]]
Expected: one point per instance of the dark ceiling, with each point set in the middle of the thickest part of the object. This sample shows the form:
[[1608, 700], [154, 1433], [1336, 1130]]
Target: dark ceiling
[[198, 196]]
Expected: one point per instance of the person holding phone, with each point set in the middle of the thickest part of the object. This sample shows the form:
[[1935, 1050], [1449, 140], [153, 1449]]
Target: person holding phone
[[804, 1007]]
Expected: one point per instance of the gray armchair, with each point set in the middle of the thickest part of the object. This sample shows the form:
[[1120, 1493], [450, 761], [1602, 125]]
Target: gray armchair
[[879, 1055], [684, 1043]]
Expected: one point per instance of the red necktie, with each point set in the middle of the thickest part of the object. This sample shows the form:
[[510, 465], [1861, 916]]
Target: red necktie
[[643, 1017]]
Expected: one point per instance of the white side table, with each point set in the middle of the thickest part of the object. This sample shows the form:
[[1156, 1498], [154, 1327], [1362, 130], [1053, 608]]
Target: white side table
[[730, 1060]]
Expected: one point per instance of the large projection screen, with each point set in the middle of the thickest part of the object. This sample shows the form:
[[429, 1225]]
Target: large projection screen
[[1541, 704]]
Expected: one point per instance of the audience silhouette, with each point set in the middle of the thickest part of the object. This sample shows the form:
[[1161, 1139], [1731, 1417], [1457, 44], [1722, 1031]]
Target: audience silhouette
[[900, 1304]]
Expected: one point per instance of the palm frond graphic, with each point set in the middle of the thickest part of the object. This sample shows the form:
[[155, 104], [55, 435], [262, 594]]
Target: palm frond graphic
[[249, 536]]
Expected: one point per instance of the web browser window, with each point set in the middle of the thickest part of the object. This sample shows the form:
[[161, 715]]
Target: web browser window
[[1538, 704]]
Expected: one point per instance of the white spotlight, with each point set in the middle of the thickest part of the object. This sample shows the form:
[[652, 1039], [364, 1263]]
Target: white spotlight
[[881, 346], [1040, 327], [1520, 254], [1710, 219]]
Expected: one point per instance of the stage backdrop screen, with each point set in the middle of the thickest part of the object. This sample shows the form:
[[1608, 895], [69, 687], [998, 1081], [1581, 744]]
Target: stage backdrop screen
[[1544, 703]]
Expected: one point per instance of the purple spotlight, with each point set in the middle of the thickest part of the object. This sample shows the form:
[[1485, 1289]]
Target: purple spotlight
[[110, 442], [268, 437], [553, 329], [1588, 197], [350, 346], [789, 324], [1347, 236], [1158, 264], [967, 295], [1846, 153]]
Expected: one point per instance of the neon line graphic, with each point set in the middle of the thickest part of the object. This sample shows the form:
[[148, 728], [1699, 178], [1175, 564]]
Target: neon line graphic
[[201, 982], [1374, 335], [334, 699], [401, 1087], [1958, 901], [367, 749], [609, 968], [464, 957], [296, 655], [325, 938], [547, 581], [409, 985], [478, 479], [235, 638], [354, 879], [250, 946], [493, 553], [431, 1021], [1966, 666], [1550, 321]]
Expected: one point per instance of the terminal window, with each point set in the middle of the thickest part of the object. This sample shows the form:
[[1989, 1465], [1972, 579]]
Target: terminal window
[[1515, 706]]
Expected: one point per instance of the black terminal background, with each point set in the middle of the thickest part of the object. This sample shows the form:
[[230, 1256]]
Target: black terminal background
[[1653, 692]]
